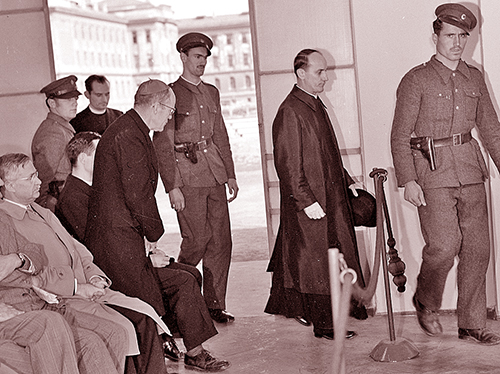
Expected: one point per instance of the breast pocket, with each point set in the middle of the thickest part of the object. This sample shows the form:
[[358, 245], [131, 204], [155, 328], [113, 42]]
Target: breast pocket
[[185, 118], [472, 97]]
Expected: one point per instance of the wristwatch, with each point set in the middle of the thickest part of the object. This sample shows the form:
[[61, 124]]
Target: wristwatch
[[22, 258]]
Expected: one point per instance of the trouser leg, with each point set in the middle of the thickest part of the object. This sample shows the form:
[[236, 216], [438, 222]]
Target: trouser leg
[[206, 235], [455, 223], [186, 307], [473, 257], [319, 310], [442, 236], [48, 339], [100, 343], [151, 360]]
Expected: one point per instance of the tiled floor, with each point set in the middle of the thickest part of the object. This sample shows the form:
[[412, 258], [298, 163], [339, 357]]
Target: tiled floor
[[261, 343]]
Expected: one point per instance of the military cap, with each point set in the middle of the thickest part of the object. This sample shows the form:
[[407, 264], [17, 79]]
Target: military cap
[[63, 88], [193, 40], [151, 87], [457, 15]]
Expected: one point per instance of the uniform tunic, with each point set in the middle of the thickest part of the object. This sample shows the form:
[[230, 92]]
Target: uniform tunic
[[435, 101], [48, 149], [204, 222]]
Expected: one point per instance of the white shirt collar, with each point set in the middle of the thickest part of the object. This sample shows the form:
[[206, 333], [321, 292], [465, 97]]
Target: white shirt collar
[[95, 111], [18, 204], [187, 80], [315, 96]]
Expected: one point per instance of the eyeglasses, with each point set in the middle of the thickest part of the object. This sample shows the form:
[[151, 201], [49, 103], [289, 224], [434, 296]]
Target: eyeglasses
[[30, 178], [172, 110]]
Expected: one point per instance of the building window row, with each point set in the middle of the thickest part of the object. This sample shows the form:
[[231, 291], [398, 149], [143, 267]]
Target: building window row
[[99, 33]]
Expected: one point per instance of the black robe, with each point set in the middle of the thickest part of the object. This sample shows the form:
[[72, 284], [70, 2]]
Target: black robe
[[310, 169]]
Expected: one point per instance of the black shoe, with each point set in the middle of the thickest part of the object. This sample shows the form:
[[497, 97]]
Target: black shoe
[[480, 336], [170, 349], [221, 316], [329, 334], [302, 321], [204, 361], [427, 319]]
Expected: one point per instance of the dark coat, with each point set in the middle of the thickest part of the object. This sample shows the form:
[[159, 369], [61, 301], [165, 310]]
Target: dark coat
[[73, 205], [88, 121], [123, 210], [309, 167]]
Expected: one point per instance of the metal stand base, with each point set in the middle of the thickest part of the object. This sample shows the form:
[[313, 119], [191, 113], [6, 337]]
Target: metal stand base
[[394, 351]]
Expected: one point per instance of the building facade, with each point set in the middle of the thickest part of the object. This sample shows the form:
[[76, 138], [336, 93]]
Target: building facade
[[130, 41]]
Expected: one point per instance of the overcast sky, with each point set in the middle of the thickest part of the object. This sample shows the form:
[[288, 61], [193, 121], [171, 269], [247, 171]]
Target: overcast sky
[[194, 8]]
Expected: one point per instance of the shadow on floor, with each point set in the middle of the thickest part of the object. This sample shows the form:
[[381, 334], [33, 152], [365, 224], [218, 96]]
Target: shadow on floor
[[260, 343]]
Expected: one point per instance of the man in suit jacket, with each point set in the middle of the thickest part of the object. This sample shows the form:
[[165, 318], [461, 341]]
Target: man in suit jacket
[[34, 341], [124, 224], [97, 116], [73, 204], [443, 100], [30, 319], [71, 276], [315, 209]]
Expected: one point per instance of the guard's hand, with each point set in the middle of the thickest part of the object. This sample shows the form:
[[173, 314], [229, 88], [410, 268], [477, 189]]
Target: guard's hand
[[177, 201], [159, 259], [88, 291], [232, 186], [414, 194], [314, 211]]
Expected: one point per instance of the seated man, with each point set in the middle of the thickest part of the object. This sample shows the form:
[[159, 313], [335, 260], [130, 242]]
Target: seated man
[[71, 278], [124, 222], [72, 209], [100, 346], [72, 205]]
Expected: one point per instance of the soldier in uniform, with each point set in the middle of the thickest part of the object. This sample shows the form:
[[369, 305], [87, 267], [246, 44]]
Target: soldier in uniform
[[195, 165], [442, 170], [48, 146]]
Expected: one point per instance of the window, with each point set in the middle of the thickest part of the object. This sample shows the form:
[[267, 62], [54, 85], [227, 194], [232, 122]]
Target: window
[[229, 39], [246, 59], [148, 36], [248, 81], [244, 38], [230, 60], [232, 82], [134, 37], [217, 83], [215, 61]]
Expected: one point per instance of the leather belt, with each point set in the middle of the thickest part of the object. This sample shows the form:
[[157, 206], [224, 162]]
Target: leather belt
[[455, 139], [198, 146]]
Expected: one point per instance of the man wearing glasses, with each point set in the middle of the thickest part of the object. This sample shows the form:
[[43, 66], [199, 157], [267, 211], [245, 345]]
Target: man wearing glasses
[[195, 165], [124, 225], [442, 170]]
